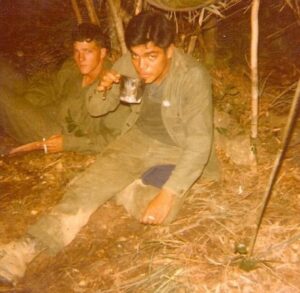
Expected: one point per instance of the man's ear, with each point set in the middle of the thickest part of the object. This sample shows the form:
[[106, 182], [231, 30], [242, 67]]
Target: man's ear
[[170, 51], [103, 52]]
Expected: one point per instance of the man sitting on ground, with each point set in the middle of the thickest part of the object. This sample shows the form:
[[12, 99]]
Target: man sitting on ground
[[51, 115]]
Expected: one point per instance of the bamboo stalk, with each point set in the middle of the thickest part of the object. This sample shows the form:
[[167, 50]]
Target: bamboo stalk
[[92, 12], [76, 11], [138, 7], [278, 162], [118, 25], [192, 44], [254, 77]]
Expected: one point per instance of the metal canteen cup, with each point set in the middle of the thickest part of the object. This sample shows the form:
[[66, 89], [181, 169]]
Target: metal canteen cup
[[131, 89]]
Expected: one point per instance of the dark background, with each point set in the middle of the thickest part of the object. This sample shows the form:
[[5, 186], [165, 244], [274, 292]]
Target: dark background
[[36, 32]]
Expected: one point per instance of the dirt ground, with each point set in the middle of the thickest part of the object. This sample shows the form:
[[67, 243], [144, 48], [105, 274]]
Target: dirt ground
[[204, 249]]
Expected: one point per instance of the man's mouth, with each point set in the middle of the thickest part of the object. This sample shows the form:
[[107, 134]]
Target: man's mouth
[[144, 75]]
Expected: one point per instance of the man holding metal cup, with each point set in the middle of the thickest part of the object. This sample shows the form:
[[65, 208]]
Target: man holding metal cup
[[172, 126]]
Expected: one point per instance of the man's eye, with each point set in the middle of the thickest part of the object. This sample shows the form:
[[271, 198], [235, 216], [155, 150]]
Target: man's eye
[[152, 57], [135, 57]]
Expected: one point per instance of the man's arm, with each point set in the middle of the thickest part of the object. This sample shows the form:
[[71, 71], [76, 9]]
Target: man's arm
[[197, 124], [54, 144], [107, 129], [101, 102], [105, 96]]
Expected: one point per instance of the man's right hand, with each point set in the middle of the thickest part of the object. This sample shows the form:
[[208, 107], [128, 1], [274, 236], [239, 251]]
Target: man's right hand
[[107, 80]]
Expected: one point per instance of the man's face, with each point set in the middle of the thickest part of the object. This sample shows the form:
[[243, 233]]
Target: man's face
[[89, 57], [151, 62]]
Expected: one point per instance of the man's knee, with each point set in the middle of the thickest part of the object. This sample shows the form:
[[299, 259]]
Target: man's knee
[[136, 197]]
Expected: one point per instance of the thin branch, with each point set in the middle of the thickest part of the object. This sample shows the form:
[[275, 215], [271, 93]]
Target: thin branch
[[76, 11], [192, 44], [254, 75], [278, 162]]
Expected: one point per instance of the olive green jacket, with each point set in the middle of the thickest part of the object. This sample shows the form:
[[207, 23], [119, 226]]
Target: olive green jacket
[[186, 113], [62, 98]]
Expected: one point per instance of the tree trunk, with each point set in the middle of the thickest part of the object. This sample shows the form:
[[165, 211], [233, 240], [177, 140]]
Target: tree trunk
[[138, 7], [76, 11], [118, 25], [210, 39], [92, 12]]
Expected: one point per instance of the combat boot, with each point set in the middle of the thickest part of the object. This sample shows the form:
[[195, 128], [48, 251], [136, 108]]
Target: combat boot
[[14, 258]]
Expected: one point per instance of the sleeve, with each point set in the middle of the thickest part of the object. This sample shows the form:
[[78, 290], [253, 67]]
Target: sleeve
[[111, 127], [86, 144], [197, 125], [99, 103]]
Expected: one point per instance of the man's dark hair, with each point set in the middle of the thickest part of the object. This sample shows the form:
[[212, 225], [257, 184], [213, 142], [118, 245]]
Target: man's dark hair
[[148, 27], [89, 32]]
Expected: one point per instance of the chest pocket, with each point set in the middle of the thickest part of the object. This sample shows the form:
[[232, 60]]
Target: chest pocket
[[172, 117]]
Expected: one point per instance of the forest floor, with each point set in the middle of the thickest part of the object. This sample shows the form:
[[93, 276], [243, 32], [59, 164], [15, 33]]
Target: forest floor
[[203, 250]]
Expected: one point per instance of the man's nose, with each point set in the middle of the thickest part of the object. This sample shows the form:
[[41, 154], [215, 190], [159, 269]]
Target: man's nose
[[81, 57], [143, 64]]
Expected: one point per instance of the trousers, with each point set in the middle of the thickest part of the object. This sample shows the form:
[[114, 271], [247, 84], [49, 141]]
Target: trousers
[[123, 161]]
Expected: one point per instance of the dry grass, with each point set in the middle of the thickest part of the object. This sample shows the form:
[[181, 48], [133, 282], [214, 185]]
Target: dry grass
[[198, 252], [201, 252]]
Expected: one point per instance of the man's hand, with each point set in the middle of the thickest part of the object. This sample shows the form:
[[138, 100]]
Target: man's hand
[[107, 80], [158, 208], [52, 145]]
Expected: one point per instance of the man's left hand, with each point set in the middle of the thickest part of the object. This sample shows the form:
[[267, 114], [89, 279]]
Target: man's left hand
[[158, 208], [54, 144]]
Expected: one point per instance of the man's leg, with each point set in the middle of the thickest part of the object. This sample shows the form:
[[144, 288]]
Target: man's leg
[[113, 170], [137, 195], [23, 121], [160, 160], [123, 161]]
